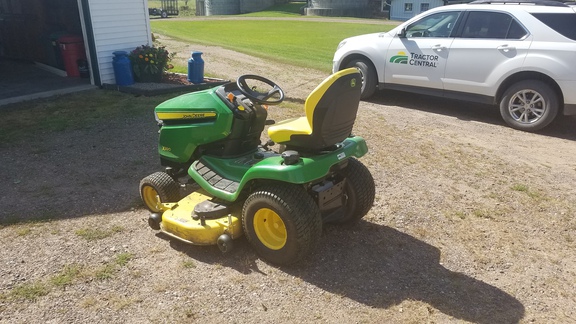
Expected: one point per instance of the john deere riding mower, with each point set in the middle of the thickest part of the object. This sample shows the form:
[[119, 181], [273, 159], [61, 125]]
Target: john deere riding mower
[[221, 182]]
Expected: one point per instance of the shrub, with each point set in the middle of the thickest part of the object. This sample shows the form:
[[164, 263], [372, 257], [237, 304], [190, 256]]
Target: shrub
[[150, 61]]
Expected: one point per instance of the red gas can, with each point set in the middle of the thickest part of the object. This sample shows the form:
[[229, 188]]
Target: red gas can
[[72, 49]]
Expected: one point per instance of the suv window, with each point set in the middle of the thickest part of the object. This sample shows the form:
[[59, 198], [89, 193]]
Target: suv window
[[435, 25], [563, 23], [485, 24]]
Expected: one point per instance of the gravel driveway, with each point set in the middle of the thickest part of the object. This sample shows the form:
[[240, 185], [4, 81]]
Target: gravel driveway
[[473, 222]]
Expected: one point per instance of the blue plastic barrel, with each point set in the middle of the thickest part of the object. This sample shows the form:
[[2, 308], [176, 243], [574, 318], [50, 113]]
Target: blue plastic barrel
[[196, 68], [122, 68]]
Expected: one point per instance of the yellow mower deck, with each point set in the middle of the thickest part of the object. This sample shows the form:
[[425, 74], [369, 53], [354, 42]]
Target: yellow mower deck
[[177, 222]]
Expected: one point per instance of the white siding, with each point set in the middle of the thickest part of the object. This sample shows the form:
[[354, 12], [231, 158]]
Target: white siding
[[118, 25], [398, 12]]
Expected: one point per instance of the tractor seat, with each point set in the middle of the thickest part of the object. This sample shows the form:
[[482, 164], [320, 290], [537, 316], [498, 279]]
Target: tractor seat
[[330, 114]]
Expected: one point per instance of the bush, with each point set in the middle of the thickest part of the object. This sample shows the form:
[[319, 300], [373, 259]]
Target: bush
[[150, 61]]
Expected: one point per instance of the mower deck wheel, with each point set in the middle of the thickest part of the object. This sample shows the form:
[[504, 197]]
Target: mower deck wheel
[[225, 243]]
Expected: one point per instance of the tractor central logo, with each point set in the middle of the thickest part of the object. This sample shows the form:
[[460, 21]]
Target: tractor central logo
[[353, 83], [415, 59], [400, 58]]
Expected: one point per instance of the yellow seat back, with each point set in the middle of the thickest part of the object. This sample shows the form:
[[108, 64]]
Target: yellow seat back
[[330, 114]]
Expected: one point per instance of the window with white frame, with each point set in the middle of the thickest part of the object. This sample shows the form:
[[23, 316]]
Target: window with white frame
[[408, 7], [424, 7]]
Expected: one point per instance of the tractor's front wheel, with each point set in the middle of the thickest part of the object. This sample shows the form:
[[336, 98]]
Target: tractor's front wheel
[[158, 184], [282, 222]]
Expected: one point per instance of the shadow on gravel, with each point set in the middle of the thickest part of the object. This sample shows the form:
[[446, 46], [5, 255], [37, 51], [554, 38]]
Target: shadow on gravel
[[73, 173], [241, 258], [380, 267], [562, 127]]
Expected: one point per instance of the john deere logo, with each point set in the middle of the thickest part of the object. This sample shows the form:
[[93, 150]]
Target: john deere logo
[[185, 115], [353, 83], [401, 58]]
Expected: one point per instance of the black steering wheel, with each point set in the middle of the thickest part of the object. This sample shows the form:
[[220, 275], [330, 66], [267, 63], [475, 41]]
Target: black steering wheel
[[259, 97]]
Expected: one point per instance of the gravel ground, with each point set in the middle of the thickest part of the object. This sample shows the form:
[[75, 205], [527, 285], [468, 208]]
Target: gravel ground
[[473, 222]]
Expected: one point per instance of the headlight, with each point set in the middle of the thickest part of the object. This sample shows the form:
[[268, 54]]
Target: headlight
[[342, 43]]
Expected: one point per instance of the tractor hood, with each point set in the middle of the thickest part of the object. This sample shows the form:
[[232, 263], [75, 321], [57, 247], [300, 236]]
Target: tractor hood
[[192, 106], [190, 121]]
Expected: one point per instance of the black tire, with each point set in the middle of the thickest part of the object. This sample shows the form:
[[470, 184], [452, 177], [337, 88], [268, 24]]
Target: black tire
[[529, 105], [158, 184], [369, 77], [282, 222], [360, 191], [164, 14]]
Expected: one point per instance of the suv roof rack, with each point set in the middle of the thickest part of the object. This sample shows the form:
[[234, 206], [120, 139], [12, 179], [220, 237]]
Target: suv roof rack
[[551, 3]]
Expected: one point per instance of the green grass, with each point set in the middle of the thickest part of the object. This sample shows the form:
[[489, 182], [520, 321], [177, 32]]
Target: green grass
[[93, 234], [302, 43], [67, 275], [188, 264], [123, 258], [109, 269], [30, 291], [520, 187]]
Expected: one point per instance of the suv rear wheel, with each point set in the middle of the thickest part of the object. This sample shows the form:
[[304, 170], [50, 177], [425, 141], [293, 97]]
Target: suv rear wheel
[[529, 105]]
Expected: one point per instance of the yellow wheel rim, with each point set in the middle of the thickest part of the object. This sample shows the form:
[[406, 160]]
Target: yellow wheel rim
[[149, 195], [270, 229]]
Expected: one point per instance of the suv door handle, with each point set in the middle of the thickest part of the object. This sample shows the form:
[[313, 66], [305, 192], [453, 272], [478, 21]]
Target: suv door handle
[[438, 48], [505, 48]]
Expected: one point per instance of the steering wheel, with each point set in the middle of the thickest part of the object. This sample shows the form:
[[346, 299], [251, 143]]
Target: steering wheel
[[259, 97]]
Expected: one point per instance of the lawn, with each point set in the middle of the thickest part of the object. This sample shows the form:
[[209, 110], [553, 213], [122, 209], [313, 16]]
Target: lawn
[[302, 43], [298, 42]]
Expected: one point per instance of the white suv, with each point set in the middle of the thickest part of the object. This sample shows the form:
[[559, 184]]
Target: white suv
[[520, 55]]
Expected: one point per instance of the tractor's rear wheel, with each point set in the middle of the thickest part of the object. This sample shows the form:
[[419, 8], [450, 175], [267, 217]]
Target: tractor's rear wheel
[[282, 222], [158, 184], [359, 192]]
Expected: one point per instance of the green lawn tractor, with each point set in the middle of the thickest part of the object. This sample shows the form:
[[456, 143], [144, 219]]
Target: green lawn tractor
[[221, 182]]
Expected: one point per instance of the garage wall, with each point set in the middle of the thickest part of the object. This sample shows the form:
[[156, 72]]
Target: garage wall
[[117, 25], [29, 28]]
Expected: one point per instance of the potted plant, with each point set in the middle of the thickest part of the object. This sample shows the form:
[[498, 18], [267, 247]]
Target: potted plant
[[150, 62]]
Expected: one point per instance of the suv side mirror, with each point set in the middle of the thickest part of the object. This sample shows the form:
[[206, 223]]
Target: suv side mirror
[[402, 33]]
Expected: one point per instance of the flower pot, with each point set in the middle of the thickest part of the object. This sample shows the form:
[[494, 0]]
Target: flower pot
[[149, 77]]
